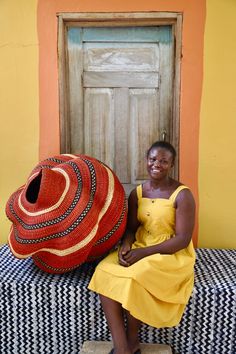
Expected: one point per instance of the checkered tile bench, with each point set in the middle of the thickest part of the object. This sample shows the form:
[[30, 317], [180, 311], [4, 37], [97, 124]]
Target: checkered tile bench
[[43, 314]]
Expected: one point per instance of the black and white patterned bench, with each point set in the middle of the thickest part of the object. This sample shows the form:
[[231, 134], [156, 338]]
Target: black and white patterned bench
[[43, 313]]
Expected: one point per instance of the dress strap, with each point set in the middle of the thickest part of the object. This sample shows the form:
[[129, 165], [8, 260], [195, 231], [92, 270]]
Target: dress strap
[[139, 191], [176, 192]]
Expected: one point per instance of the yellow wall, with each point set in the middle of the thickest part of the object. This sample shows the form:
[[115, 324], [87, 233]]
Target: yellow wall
[[217, 160], [18, 98], [19, 114]]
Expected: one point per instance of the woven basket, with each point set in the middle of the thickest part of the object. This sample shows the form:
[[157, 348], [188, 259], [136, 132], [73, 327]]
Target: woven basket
[[71, 210]]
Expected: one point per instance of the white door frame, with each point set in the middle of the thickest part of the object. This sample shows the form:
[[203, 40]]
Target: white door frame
[[118, 19]]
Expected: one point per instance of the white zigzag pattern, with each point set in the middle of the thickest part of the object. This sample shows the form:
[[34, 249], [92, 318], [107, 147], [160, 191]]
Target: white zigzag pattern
[[45, 313]]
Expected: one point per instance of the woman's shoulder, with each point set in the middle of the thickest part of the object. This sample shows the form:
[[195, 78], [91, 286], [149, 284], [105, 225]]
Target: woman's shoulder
[[178, 185], [179, 191], [183, 193]]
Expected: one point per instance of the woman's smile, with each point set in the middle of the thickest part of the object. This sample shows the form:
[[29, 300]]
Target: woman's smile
[[156, 170]]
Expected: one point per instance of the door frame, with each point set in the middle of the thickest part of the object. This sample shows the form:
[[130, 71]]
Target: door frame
[[118, 19]]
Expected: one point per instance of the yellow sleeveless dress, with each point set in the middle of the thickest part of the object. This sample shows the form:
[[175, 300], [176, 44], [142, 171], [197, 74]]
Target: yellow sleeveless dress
[[157, 288]]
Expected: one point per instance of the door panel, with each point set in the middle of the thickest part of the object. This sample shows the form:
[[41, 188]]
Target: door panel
[[120, 79], [99, 103], [104, 56], [122, 164], [144, 128]]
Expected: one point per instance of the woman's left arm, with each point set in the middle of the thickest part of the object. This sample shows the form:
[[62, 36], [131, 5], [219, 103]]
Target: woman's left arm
[[184, 224]]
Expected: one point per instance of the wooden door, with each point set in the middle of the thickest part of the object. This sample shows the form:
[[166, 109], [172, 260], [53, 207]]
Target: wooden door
[[120, 94]]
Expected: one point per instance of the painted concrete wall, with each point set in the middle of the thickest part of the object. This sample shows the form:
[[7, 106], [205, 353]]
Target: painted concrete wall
[[29, 97], [19, 98]]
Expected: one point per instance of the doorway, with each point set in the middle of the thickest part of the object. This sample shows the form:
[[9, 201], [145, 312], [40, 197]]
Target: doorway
[[118, 92]]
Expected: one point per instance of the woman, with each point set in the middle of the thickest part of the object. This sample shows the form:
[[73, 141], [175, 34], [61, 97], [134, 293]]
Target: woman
[[150, 278]]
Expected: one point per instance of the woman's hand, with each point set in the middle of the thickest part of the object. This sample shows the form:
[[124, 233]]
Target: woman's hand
[[124, 249], [133, 256]]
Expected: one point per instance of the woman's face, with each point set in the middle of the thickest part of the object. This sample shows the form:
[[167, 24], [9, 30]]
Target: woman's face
[[159, 163]]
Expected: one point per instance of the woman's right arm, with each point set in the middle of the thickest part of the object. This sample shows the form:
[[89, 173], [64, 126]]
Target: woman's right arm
[[132, 225]]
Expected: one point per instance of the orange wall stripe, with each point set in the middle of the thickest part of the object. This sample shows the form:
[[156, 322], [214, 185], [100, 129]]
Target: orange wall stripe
[[194, 13]]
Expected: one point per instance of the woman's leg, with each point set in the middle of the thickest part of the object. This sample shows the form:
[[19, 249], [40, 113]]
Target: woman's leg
[[133, 326], [115, 319]]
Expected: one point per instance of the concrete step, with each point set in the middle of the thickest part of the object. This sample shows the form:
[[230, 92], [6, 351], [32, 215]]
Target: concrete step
[[96, 347]]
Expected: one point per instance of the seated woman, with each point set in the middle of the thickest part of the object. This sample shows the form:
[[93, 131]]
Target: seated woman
[[150, 278]]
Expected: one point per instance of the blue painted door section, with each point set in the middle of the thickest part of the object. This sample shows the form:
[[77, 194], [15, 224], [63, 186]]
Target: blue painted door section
[[120, 94]]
